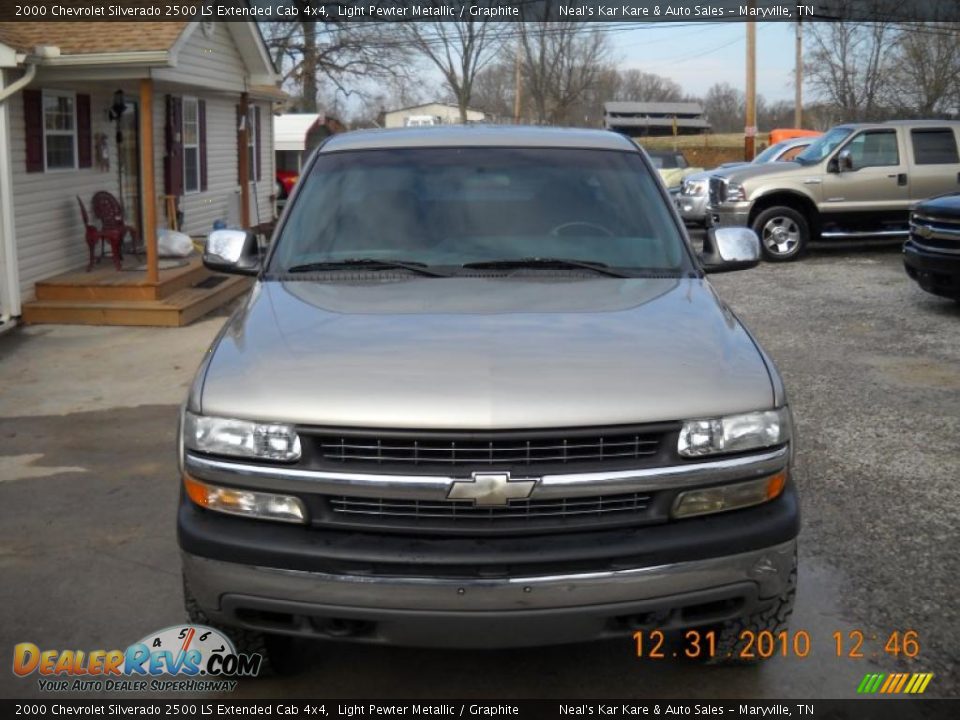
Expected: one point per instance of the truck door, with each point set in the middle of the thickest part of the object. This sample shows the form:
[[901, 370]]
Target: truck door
[[936, 165], [876, 190]]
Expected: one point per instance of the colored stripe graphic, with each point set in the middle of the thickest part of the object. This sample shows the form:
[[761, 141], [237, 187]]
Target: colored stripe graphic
[[907, 683]]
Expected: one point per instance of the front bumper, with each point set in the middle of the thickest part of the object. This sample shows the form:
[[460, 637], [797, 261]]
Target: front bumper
[[936, 272], [493, 613], [731, 215], [692, 208]]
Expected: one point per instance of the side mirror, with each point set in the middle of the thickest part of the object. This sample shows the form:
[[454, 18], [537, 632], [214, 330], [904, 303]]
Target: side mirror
[[232, 251], [845, 161], [730, 248]]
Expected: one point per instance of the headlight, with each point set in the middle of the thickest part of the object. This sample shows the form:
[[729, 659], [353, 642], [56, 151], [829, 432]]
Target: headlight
[[247, 503], [735, 192], [734, 433], [242, 438], [729, 497], [694, 188]]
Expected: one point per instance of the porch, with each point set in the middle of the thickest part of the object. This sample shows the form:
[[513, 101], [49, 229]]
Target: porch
[[184, 291]]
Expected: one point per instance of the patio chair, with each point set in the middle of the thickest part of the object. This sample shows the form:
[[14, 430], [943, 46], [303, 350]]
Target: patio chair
[[91, 234], [113, 226]]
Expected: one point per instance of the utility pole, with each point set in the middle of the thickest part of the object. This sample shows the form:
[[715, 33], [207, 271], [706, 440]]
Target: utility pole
[[750, 131], [516, 86], [798, 79]]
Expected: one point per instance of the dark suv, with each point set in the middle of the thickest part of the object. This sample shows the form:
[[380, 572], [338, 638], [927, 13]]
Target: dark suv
[[932, 254]]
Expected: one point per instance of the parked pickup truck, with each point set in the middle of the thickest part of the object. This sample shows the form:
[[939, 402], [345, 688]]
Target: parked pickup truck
[[932, 254], [856, 181], [482, 394]]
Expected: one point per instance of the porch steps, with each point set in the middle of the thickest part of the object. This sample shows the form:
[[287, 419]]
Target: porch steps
[[104, 283], [176, 308]]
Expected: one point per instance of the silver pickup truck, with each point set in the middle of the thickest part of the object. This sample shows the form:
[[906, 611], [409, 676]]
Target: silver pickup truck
[[856, 181], [483, 395]]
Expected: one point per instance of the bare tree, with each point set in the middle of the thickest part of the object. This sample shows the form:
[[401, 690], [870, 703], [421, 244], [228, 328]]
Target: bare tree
[[724, 106], [637, 86], [459, 50], [494, 89], [925, 75], [848, 64], [561, 62], [318, 51]]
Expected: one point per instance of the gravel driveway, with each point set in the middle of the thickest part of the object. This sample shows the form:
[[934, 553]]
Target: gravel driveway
[[88, 490]]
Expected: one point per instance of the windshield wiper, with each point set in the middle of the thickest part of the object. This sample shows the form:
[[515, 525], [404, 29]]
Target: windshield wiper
[[367, 264], [546, 263]]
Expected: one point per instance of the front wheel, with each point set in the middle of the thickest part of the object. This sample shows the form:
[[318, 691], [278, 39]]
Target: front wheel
[[783, 232]]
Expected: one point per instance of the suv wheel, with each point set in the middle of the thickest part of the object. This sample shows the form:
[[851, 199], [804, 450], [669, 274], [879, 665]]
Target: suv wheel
[[783, 232], [775, 619], [280, 654]]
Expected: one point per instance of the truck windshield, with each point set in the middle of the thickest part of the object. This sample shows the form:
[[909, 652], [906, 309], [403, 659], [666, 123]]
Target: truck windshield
[[823, 146], [447, 207]]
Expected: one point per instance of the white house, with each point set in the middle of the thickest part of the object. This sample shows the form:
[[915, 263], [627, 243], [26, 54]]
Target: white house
[[193, 141], [439, 113]]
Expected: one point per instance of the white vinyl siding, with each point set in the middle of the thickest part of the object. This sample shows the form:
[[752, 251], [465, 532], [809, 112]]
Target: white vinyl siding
[[48, 227], [210, 62]]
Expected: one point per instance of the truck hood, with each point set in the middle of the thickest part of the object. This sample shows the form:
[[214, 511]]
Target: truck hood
[[764, 171], [484, 353]]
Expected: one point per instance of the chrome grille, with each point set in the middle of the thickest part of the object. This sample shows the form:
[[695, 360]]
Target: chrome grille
[[937, 234], [717, 191], [512, 450], [573, 507]]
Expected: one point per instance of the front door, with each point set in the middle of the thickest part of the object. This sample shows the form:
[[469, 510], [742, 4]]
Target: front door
[[876, 190]]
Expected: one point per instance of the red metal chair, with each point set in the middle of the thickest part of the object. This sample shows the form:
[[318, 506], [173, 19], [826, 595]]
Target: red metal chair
[[113, 227], [91, 235]]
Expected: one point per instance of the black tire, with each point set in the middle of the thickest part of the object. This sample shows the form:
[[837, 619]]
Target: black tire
[[783, 231], [280, 653], [774, 619]]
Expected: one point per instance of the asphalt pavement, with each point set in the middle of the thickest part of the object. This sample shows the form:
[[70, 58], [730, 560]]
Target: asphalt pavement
[[88, 491]]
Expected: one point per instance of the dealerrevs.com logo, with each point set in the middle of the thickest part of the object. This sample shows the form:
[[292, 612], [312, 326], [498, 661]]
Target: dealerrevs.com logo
[[202, 657]]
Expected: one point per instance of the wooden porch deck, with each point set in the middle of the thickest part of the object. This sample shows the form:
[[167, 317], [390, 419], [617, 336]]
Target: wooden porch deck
[[106, 296]]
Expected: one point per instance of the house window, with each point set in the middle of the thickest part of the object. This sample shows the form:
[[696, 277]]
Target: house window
[[253, 162], [191, 145], [59, 130]]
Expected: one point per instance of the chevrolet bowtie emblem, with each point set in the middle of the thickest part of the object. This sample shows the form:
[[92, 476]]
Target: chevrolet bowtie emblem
[[491, 489]]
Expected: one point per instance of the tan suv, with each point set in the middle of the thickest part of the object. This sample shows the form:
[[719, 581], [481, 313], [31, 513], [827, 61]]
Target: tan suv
[[856, 181]]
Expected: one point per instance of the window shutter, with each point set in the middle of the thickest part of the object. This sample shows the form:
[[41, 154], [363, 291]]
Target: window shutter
[[33, 122], [173, 149], [256, 141], [202, 129], [84, 149]]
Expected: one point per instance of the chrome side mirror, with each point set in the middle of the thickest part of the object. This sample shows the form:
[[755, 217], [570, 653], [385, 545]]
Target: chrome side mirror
[[844, 161], [730, 248], [232, 251]]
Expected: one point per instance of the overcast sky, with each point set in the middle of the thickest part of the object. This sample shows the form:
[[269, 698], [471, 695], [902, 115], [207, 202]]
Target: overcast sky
[[697, 55]]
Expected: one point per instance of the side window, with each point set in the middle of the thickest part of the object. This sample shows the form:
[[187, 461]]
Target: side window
[[934, 147], [791, 153], [874, 148]]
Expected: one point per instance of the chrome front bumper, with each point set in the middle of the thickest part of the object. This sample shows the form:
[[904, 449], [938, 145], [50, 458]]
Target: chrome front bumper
[[692, 208]]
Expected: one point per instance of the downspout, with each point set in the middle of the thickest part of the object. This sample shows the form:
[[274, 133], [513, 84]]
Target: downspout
[[10, 305]]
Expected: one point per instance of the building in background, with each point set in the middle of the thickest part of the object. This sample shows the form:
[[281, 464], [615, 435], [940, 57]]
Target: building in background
[[428, 114], [655, 118]]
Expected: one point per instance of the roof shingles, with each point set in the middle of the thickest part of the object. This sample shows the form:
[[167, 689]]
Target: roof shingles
[[87, 38]]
